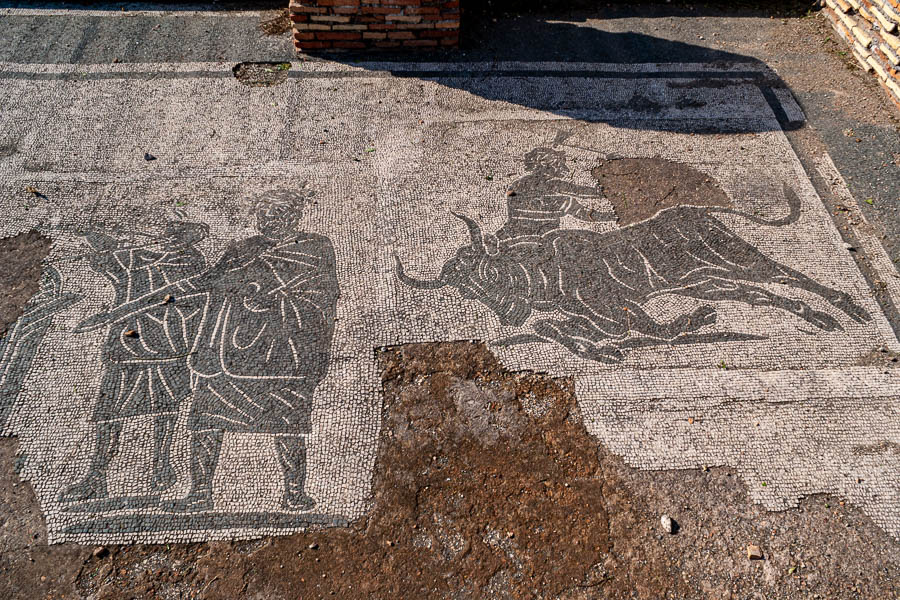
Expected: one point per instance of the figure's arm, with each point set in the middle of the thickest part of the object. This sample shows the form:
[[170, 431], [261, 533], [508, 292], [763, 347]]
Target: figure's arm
[[189, 286], [573, 189]]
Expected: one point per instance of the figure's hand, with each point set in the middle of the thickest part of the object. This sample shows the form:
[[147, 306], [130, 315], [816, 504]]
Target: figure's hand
[[93, 322], [256, 303]]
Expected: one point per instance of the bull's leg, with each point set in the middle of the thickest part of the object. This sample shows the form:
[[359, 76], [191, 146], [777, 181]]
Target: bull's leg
[[840, 300], [715, 289], [640, 322], [580, 337], [746, 263]]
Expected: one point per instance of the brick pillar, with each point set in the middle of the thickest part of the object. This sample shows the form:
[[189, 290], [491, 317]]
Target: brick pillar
[[374, 24]]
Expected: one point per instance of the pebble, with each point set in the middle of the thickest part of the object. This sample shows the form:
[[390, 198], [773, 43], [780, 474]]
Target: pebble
[[667, 523], [849, 247], [754, 552], [100, 551], [313, 546]]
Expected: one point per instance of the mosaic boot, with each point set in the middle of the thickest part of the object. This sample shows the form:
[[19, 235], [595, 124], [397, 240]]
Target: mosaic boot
[[291, 451], [93, 485], [205, 447], [163, 474]]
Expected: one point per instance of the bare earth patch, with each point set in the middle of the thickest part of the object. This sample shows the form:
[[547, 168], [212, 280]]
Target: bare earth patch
[[261, 74], [488, 485], [20, 277], [278, 24]]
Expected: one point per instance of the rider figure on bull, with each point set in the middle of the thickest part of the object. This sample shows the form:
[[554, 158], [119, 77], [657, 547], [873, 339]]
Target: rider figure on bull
[[538, 200]]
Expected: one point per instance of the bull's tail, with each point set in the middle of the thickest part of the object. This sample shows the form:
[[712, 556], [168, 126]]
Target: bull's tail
[[793, 202]]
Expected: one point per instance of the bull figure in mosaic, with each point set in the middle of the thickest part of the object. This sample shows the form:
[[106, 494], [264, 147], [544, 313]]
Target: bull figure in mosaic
[[597, 283]]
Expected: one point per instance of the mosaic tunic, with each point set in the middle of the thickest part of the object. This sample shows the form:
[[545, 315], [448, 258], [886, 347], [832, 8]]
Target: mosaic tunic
[[146, 371], [266, 337]]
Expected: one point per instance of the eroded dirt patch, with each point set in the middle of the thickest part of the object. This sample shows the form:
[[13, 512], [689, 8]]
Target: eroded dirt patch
[[278, 24], [261, 74], [488, 486], [638, 188], [20, 275]]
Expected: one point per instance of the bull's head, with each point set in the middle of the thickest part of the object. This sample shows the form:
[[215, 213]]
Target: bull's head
[[482, 271]]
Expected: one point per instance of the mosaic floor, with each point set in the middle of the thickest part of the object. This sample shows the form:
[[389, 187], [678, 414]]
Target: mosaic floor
[[198, 363]]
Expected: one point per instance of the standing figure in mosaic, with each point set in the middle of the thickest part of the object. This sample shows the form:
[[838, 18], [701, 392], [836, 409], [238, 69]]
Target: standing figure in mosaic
[[146, 350], [19, 346], [264, 346]]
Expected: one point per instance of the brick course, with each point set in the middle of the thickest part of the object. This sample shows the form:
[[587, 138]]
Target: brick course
[[870, 28], [377, 24]]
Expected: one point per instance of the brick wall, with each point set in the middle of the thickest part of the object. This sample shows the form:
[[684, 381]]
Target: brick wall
[[870, 28], [377, 24]]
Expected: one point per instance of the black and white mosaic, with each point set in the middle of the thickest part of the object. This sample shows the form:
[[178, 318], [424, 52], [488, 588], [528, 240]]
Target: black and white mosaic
[[198, 362]]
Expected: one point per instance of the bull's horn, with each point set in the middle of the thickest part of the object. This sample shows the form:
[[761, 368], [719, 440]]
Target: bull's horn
[[474, 230], [421, 284]]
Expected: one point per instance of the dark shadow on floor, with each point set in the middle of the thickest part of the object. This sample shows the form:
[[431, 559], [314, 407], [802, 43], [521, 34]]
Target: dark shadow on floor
[[570, 66]]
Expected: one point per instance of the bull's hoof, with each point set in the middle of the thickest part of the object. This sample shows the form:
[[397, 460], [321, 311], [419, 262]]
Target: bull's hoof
[[703, 316], [822, 320], [853, 310], [606, 354]]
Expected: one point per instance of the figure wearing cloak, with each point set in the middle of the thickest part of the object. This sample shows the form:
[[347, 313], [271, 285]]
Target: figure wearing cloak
[[264, 346], [146, 348]]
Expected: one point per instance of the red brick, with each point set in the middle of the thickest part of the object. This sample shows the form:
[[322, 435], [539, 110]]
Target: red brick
[[310, 10], [378, 10], [299, 18], [421, 10], [454, 41], [420, 43], [314, 45], [337, 2], [373, 35], [303, 35], [438, 33], [401, 35], [348, 45], [387, 44], [382, 27], [338, 35], [448, 25]]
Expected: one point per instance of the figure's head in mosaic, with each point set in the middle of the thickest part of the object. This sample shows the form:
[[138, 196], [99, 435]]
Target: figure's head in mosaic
[[278, 212], [546, 161]]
